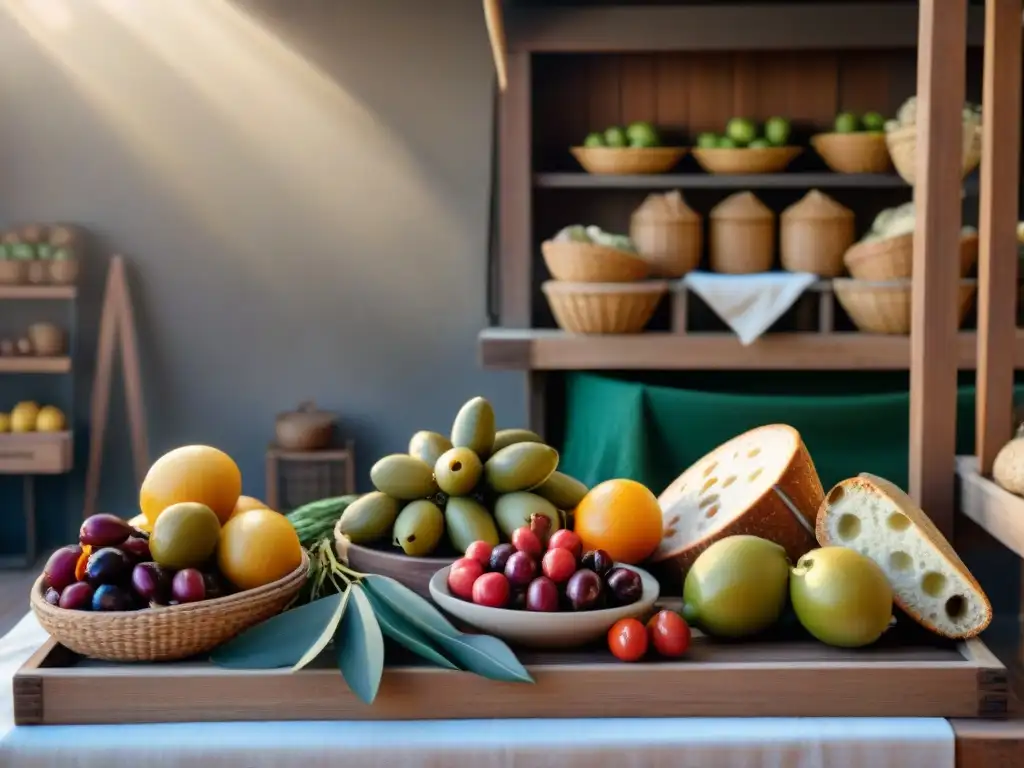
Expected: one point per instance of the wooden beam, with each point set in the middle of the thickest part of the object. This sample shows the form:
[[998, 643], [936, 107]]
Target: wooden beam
[[721, 26], [997, 257], [515, 225], [941, 74]]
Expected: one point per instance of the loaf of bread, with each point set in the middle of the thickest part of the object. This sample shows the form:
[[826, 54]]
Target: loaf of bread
[[929, 581], [758, 483]]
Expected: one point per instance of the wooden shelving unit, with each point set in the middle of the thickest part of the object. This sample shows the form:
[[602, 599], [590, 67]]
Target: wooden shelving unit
[[29, 364]]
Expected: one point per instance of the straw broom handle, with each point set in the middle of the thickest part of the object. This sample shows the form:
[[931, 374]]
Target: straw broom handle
[[496, 33]]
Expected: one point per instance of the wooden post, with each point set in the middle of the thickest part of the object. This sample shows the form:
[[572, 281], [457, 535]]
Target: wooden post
[[515, 228], [997, 258], [941, 65]]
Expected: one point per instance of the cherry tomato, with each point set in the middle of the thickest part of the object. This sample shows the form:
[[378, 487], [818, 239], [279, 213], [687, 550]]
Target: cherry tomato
[[480, 550], [669, 634], [492, 590], [627, 640], [558, 565], [462, 576]]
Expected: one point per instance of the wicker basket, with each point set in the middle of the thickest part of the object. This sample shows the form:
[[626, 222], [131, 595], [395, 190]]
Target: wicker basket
[[893, 258], [603, 307], [742, 235], [853, 152], [902, 145], [627, 161], [64, 271], [668, 234], [165, 634], [884, 307], [746, 160], [815, 232], [12, 272], [590, 263]]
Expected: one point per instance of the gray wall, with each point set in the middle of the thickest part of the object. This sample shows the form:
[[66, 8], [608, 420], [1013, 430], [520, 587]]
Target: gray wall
[[303, 201]]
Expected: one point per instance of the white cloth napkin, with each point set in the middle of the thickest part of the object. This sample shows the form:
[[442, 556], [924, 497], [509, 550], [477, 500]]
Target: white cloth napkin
[[749, 304]]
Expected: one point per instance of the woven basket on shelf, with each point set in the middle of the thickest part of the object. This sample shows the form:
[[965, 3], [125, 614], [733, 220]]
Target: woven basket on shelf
[[741, 235], [603, 307], [668, 234], [626, 161], [853, 152], [815, 232], [590, 263], [165, 634], [12, 272], [746, 160], [902, 145], [884, 307], [893, 258]]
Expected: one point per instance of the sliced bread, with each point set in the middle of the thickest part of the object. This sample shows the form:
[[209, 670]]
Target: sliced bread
[[757, 483], [929, 581]]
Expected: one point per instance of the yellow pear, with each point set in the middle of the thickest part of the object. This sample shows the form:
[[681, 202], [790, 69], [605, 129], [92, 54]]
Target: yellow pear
[[23, 417], [50, 419], [5, 422]]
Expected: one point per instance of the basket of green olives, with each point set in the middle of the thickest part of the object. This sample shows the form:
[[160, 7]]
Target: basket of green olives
[[105, 598]]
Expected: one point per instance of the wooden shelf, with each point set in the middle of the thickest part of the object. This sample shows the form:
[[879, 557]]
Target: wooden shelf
[[38, 292], [29, 364], [722, 27], [554, 350], [999, 512], [36, 453], [696, 180]]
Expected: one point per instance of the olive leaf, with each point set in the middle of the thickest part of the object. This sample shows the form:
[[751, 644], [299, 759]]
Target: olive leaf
[[283, 640], [394, 626], [359, 646], [329, 631], [481, 654]]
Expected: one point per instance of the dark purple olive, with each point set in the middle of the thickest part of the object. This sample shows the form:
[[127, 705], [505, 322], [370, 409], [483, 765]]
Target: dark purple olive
[[499, 557], [584, 590], [542, 595], [520, 569], [214, 586], [77, 597], [59, 570], [188, 586], [598, 561], [151, 582], [108, 566], [625, 586], [517, 600], [104, 530], [136, 548], [112, 598], [52, 596]]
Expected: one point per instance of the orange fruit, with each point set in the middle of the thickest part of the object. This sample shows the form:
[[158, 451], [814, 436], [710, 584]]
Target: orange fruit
[[196, 473], [247, 504], [258, 548], [622, 517]]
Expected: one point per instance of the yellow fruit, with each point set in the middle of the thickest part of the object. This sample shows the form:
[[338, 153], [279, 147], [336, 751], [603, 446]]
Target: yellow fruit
[[50, 419], [23, 417], [622, 517], [184, 536], [247, 504], [5, 422], [142, 523], [258, 548], [196, 473]]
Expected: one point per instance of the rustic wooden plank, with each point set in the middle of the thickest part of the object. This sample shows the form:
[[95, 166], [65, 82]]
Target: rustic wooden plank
[[554, 350], [721, 26], [711, 82], [813, 88], [995, 510], [698, 180], [515, 203], [638, 86], [997, 257], [940, 92], [673, 92], [987, 744], [604, 91], [864, 81]]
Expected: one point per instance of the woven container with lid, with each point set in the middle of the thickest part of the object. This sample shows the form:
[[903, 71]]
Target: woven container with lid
[[742, 235], [814, 234], [668, 234]]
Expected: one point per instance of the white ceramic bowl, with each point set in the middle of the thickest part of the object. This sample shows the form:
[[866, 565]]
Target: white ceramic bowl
[[542, 630]]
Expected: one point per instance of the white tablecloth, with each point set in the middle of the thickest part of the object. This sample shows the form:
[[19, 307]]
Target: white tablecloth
[[646, 743]]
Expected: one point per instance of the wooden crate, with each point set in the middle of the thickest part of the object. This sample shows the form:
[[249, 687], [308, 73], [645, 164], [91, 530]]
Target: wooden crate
[[35, 453], [791, 679]]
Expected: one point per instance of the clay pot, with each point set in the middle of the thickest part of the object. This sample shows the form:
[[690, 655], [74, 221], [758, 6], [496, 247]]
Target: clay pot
[[47, 339], [304, 429]]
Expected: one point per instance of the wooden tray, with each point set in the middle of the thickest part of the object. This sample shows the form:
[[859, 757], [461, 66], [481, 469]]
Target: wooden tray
[[769, 679]]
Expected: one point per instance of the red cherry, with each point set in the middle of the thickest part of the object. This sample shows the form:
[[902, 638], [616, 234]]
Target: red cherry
[[462, 576], [566, 539], [491, 590], [558, 565], [525, 540], [481, 551], [669, 634]]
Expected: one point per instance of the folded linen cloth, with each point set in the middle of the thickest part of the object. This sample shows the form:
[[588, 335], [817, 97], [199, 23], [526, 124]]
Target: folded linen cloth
[[749, 304]]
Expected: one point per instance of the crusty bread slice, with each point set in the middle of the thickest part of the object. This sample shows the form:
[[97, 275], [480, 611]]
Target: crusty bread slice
[[929, 581], [749, 485]]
